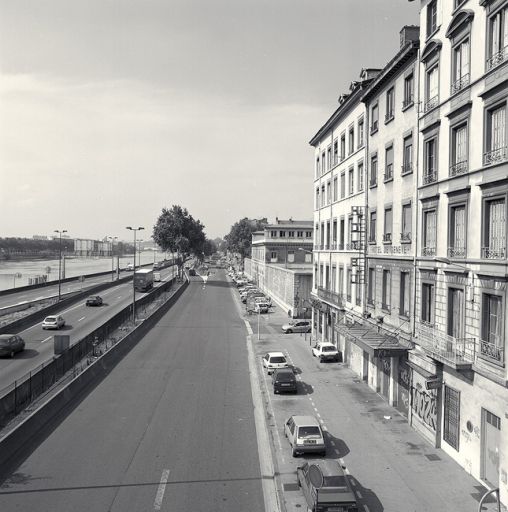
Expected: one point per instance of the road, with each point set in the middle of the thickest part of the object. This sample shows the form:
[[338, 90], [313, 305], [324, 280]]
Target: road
[[171, 428], [80, 321]]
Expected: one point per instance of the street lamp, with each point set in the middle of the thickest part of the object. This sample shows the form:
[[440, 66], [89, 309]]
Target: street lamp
[[133, 280], [60, 232], [447, 261], [112, 238]]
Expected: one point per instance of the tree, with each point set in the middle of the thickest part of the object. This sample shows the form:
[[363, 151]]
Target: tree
[[239, 239]]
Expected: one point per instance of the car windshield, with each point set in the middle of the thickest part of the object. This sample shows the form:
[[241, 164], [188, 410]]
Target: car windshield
[[278, 359], [335, 481], [4, 343], [328, 349], [50, 319], [285, 377], [308, 431]]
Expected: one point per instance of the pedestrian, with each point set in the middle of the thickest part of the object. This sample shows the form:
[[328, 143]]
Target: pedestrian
[[289, 313]]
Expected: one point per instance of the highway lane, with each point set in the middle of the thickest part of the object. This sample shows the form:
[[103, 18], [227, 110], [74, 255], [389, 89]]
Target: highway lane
[[171, 428], [80, 321]]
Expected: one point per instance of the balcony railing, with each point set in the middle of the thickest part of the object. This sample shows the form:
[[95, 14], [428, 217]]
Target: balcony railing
[[387, 237], [497, 58], [494, 253], [431, 103], [456, 252], [333, 298], [429, 176], [373, 181], [492, 351], [428, 251], [407, 168], [459, 353], [495, 156], [405, 237], [407, 102], [389, 116], [374, 127], [459, 84], [459, 168], [353, 246], [341, 246], [389, 172], [333, 247]]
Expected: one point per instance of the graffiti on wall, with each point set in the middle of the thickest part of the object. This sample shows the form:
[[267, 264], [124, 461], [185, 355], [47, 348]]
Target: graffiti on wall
[[424, 405]]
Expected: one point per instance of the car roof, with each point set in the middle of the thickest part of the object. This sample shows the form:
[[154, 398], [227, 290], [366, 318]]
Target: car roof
[[305, 421], [328, 467], [272, 354], [6, 336], [327, 344]]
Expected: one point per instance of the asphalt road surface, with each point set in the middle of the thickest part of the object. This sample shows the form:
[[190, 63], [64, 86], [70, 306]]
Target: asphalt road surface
[[171, 428]]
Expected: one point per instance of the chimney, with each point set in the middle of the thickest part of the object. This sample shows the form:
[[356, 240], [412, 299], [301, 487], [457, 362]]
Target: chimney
[[409, 33]]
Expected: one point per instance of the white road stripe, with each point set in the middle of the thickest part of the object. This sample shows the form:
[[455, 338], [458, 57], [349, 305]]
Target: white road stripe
[[161, 490], [48, 338], [82, 318]]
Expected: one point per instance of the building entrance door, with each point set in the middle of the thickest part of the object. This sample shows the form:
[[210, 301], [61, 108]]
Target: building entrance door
[[491, 439]]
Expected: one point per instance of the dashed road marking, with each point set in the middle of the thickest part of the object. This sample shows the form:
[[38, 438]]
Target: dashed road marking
[[82, 318], [46, 339], [161, 490]]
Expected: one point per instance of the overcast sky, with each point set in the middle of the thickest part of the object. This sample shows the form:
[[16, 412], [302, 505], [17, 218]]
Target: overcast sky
[[112, 110]]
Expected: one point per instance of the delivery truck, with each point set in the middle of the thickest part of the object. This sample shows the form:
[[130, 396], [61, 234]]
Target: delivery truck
[[143, 279]]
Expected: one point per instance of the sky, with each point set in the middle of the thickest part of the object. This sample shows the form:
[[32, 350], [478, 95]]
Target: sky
[[112, 110]]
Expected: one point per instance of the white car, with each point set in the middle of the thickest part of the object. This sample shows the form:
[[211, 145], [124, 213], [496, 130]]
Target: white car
[[262, 307], [53, 322], [274, 360], [325, 352]]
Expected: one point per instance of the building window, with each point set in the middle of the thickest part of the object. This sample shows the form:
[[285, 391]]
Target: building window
[[387, 234], [342, 185], [317, 198], [407, 156], [371, 287], [299, 234], [372, 227], [343, 146], [308, 234], [273, 234], [495, 143], [351, 183], [431, 88], [430, 170], [388, 164], [342, 234], [349, 279], [323, 163], [328, 193], [273, 256], [291, 256], [429, 232], [373, 171], [322, 233], [458, 230], [405, 297], [374, 119], [451, 423], [405, 235], [308, 257], [461, 77], [341, 280], [409, 91], [323, 195], [494, 245], [431, 17], [334, 278], [334, 233], [291, 234], [459, 164], [335, 152], [335, 188], [360, 176], [321, 276], [456, 313], [327, 246], [361, 131], [498, 38], [491, 344], [390, 104], [427, 310], [351, 141], [386, 290], [329, 156]]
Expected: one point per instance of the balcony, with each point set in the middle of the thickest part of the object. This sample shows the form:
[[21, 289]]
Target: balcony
[[407, 168], [456, 252], [459, 168], [405, 238], [334, 298], [387, 238], [494, 253], [429, 251], [459, 84], [429, 176], [495, 156], [374, 127], [431, 103], [408, 102], [353, 246], [388, 173], [492, 351], [458, 353], [497, 58]]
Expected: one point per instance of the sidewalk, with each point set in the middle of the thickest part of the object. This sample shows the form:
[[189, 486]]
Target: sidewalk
[[411, 475]]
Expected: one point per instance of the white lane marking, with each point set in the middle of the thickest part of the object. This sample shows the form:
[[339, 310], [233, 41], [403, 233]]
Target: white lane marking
[[48, 338], [82, 318], [249, 328], [161, 490], [73, 307], [39, 298]]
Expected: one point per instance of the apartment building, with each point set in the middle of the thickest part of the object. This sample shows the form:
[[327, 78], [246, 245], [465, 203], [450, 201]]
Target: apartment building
[[461, 278], [281, 264]]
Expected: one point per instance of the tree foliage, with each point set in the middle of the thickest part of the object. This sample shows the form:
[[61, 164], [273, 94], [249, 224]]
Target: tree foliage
[[177, 231], [239, 238]]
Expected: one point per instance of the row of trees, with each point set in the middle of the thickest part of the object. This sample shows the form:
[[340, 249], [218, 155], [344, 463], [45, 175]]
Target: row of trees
[[239, 238]]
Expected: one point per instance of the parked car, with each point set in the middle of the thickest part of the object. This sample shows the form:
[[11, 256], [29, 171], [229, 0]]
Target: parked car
[[325, 486], [297, 326], [326, 352], [129, 267], [261, 307], [274, 360], [94, 300], [284, 381], [10, 344], [53, 322], [304, 435]]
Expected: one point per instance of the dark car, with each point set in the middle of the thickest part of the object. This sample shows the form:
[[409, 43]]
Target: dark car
[[10, 344], [284, 381], [94, 300], [325, 486]]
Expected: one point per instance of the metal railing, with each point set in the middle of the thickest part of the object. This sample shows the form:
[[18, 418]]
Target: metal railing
[[428, 251], [431, 103], [495, 156], [492, 351], [387, 237], [497, 58], [333, 297], [407, 168], [374, 127], [429, 176], [405, 237], [407, 102], [456, 252], [388, 173], [459, 84], [389, 116], [459, 168], [494, 253]]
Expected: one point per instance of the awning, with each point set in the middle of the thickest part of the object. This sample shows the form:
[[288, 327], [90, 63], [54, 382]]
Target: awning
[[377, 341]]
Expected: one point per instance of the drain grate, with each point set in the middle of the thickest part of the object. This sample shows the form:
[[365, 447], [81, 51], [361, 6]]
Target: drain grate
[[433, 456], [290, 487]]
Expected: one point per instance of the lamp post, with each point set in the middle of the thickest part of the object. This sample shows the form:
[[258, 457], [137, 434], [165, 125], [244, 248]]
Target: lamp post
[[134, 275], [112, 238], [447, 261], [60, 232]]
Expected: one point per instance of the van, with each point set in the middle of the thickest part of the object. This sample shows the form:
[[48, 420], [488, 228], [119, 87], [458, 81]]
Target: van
[[304, 435]]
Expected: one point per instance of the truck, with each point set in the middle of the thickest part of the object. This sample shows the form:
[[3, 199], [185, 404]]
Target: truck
[[143, 279]]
